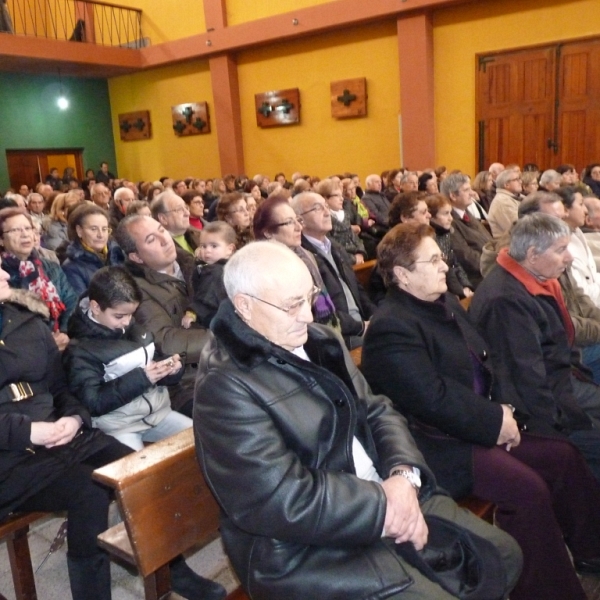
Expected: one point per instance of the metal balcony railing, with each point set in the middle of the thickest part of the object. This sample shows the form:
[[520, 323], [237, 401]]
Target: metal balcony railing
[[78, 21]]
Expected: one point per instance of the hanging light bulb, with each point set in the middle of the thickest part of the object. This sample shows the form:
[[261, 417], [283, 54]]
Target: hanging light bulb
[[62, 101]]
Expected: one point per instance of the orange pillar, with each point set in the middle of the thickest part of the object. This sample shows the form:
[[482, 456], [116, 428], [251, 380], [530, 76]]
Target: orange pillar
[[415, 48], [226, 96]]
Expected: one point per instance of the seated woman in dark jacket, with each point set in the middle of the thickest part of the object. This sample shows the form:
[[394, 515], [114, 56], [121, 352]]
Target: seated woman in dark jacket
[[440, 210], [90, 248], [422, 351], [28, 271], [48, 448]]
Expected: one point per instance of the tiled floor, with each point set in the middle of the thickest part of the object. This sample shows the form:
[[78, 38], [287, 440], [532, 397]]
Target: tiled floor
[[52, 580]]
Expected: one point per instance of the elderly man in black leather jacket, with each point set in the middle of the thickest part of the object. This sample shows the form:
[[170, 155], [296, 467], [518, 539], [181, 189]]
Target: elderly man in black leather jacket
[[316, 476]]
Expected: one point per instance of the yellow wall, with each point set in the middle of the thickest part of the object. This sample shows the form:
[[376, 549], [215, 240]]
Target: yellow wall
[[463, 31], [168, 20], [321, 145], [241, 11], [165, 153]]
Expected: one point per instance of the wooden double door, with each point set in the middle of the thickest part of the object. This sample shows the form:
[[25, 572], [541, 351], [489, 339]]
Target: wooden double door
[[540, 105], [32, 166]]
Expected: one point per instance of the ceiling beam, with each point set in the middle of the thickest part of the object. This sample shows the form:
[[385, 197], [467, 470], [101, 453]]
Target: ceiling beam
[[337, 14]]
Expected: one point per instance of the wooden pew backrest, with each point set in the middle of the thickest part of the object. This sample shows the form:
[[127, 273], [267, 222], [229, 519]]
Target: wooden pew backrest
[[166, 505]]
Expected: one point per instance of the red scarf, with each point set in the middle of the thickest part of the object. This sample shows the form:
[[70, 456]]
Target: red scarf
[[535, 287]]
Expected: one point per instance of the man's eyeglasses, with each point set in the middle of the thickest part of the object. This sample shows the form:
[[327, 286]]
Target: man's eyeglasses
[[435, 260], [298, 220], [181, 210], [293, 309], [316, 208]]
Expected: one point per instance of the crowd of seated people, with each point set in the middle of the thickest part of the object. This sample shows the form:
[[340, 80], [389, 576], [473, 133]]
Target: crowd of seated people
[[522, 366]]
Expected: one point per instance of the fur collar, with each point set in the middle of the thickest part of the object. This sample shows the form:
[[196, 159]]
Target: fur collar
[[29, 301], [248, 348]]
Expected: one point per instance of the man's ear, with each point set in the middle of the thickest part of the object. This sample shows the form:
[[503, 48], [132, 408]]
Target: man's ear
[[135, 257], [242, 303], [162, 219]]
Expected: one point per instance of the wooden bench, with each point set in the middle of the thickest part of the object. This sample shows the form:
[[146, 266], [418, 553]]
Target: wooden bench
[[14, 530], [363, 272], [166, 506]]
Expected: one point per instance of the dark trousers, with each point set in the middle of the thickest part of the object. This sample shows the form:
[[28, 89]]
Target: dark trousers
[[85, 501], [546, 497]]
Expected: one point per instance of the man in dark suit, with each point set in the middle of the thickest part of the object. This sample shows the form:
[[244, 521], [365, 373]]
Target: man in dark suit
[[352, 303], [468, 235]]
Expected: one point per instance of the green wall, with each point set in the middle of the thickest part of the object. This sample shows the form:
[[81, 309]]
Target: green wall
[[30, 118]]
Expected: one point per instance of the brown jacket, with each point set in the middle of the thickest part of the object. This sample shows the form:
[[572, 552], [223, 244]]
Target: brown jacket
[[164, 302], [467, 241]]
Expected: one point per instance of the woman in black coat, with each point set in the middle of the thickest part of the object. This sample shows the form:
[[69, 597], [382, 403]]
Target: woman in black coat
[[48, 448], [422, 351]]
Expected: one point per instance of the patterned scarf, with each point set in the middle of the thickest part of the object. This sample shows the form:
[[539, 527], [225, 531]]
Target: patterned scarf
[[31, 276]]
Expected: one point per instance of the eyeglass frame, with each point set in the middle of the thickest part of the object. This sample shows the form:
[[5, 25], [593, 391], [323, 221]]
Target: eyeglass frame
[[95, 229], [180, 210], [241, 209], [19, 230], [315, 208], [290, 221], [435, 260], [296, 306]]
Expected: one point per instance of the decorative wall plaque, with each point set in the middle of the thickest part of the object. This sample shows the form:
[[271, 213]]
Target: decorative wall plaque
[[280, 107], [349, 98], [135, 126], [191, 118]]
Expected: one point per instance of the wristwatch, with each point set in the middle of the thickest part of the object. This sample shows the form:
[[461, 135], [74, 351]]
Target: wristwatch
[[414, 478]]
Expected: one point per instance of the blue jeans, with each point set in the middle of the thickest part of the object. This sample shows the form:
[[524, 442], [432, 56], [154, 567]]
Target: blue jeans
[[591, 359], [173, 423]]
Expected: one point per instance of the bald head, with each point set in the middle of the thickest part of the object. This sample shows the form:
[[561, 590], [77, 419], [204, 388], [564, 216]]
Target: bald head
[[495, 169]]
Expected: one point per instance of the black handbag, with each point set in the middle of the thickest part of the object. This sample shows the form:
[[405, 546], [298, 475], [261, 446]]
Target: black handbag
[[463, 563]]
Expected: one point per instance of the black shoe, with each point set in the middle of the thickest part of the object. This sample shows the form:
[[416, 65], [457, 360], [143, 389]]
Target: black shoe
[[590, 566], [190, 585]]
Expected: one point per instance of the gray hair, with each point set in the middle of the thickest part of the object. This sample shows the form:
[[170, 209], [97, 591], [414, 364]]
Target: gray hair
[[370, 179], [122, 192], [538, 231], [245, 271], [550, 176], [297, 202], [503, 177], [453, 183], [406, 175], [34, 195], [158, 206], [591, 203], [534, 201], [122, 235]]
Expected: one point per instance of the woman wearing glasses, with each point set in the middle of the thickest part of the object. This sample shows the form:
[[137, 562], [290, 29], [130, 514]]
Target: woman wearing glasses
[[90, 248], [232, 209], [422, 351], [30, 272], [276, 220]]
